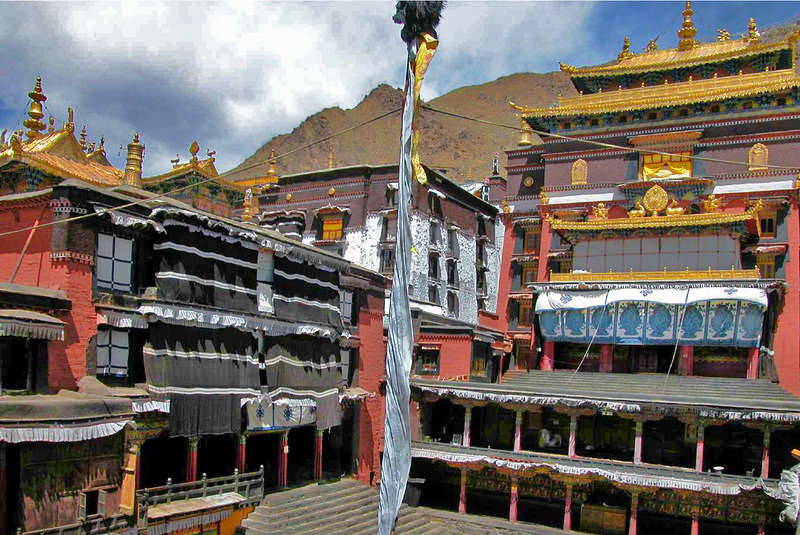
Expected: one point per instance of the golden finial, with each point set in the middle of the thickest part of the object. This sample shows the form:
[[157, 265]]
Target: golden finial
[[687, 31], [469, 174], [723, 35], [70, 126], [271, 173], [504, 204], [52, 121], [525, 134], [83, 138], [752, 31], [210, 154], [133, 164], [16, 143], [193, 150], [652, 46], [248, 204], [91, 147], [543, 198], [330, 156], [102, 143], [34, 124], [626, 50], [332, 192]]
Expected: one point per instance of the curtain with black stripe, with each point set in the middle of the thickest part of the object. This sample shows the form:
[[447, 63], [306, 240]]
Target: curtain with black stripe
[[307, 293]]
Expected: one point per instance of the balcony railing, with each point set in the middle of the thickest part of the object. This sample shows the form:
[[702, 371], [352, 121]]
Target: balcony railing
[[93, 525], [696, 275]]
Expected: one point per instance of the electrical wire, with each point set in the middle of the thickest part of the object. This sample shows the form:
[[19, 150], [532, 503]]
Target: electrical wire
[[602, 144]]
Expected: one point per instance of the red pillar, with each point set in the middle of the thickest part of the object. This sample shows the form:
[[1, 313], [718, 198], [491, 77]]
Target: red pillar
[[467, 425], [573, 432], [241, 452], [138, 466], [695, 524], [633, 521], [568, 509], [544, 250], [548, 356], [787, 350], [518, 431], [283, 460], [753, 363], [512, 510], [637, 442], [462, 497], [765, 454], [606, 358], [687, 360], [191, 461], [318, 454], [698, 461]]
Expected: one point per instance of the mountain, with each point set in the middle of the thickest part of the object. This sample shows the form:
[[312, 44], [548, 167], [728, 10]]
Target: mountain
[[449, 143]]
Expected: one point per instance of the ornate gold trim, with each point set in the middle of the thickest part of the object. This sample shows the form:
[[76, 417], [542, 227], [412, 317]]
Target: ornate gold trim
[[686, 220], [722, 274]]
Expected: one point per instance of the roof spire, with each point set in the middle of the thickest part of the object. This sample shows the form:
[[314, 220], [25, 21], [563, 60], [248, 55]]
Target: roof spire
[[34, 124], [752, 31], [330, 156], [626, 50], [52, 121], [271, 173], [83, 138], [133, 164], [193, 150], [70, 126], [525, 133], [687, 31]]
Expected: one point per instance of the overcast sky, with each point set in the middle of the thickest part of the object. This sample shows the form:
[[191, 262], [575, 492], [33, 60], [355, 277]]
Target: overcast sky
[[232, 76]]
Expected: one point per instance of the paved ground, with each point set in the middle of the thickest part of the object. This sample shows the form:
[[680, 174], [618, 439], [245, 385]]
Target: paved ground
[[349, 507]]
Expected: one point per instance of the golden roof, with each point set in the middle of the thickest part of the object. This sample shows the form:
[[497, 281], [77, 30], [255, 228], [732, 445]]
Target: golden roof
[[674, 58], [650, 97]]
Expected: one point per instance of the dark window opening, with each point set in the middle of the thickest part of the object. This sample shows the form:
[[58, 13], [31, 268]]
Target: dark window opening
[[435, 204], [428, 361], [452, 242], [652, 116], [387, 260], [23, 365], [781, 101], [433, 266], [452, 304], [715, 108], [433, 293], [594, 122], [683, 113], [622, 119], [452, 273], [747, 106]]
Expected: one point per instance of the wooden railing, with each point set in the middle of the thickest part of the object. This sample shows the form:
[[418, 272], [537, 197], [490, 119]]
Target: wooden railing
[[93, 525], [250, 486]]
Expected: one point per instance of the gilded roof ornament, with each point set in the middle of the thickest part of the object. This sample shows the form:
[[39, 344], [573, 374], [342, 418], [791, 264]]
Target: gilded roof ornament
[[600, 211], [52, 121], [248, 204], [210, 154], [330, 156], [34, 123], [525, 133], [565, 67], [655, 200], [16, 144], [652, 46], [193, 150], [82, 142], [712, 204], [543, 198], [271, 172], [176, 160], [626, 50], [70, 126], [723, 35], [687, 31], [753, 34]]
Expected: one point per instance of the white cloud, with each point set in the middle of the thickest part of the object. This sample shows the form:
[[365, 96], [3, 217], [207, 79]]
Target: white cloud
[[234, 75]]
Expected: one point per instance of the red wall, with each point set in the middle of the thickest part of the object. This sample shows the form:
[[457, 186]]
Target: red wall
[[371, 370], [787, 350]]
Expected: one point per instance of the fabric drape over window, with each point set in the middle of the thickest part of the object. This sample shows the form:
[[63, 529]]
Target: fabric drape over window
[[663, 166], [196, 268], [204, 373], [306, 292], [305, 367]]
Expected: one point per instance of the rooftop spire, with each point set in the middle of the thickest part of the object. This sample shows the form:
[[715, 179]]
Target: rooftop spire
[[34, 124], [687, 31], [330, 157], [83, 138], [626, 50], [271, 173], [193, 150], [752, 31], [133, 165]]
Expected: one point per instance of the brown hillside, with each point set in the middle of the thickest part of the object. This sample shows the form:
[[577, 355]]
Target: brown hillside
[[450, 143]]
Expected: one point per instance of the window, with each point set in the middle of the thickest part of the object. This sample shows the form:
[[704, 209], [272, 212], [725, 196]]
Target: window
[[478, 365], [565, 266], [480, 282], [265, 276], [433, 293], [332, 228], [435, 203], [622, 119], [452, 304], [92, 502], [452, 242], [428, 360], [652, 116], [525, 314], [434, 235], [481, 302], [766, 266], [528, 275], [532, 240], [23, 364], [452, 273], [389, 229], [715, 108], [781, 101], [391, 196], [683, 113], [346, 305], [113, 263], [433, 266], [594, 122], [387, 260], [768, 223], [480, 254], [666, 166], [481, 226], [113, 347]]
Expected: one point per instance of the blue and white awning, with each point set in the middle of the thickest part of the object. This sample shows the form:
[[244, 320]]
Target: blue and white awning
[[715, 316]]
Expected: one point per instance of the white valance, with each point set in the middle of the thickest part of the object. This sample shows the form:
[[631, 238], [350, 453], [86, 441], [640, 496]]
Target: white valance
[[60, 433], [578, 300], [121, 320], [27, 324]]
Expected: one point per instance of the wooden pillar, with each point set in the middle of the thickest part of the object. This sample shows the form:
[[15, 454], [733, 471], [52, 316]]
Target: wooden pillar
[[753, 363], [317, 454], [765, 454], [548, 355], [467, 425], [191, 460], [633, 520], [518, 431], [686, 366], [568, 508], [512, 509], [606, 358], [637, 442], [462, 497], [241, 453], [698, 460], [695, 520], [573, 432], [283, 459]]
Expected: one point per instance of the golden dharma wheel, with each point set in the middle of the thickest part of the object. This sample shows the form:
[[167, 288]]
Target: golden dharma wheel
[[656, 199]]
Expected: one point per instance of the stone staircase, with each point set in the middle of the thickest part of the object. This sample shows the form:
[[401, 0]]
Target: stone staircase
[[345, 507], [351, 508]]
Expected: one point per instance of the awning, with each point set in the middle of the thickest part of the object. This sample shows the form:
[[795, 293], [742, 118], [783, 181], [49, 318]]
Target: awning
[[183, 514], [576, 300], [27, 324], [25, 297], [121, 318]]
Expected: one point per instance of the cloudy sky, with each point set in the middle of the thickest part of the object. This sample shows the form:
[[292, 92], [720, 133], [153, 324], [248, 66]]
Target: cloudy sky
[[234, 75]]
